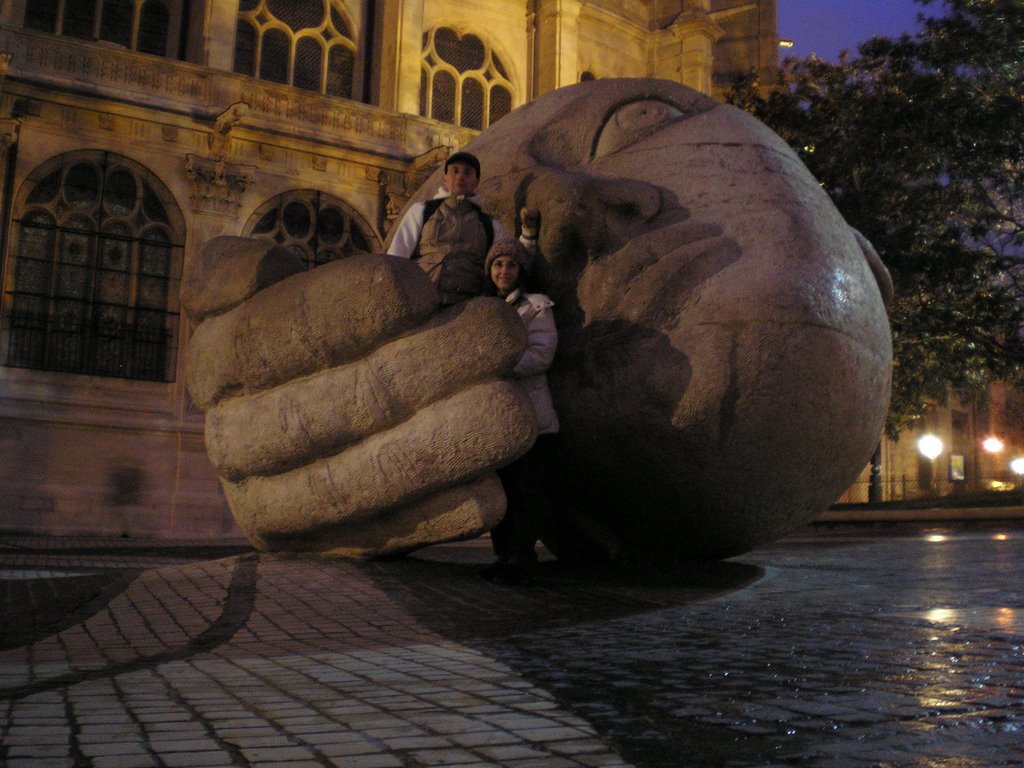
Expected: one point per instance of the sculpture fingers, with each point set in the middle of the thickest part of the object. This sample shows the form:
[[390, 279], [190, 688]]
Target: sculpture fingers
[[451, 441], [282, 428], [459, 512], [228, 270], [306, 323]]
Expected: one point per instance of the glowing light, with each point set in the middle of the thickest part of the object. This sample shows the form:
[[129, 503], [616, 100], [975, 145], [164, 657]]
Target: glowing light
[[1001, 537], [992, 444], [1006, 618], [930, 447], [940, 614], [1017, 466], [785, 43], [936, 537]]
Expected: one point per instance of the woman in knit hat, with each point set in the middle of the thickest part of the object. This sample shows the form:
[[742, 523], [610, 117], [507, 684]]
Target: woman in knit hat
[[526, 480]]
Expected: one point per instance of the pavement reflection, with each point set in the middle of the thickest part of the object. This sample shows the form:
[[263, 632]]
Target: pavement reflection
[[840, 645]]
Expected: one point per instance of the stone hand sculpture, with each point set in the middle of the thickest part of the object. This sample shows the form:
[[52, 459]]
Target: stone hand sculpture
[[724, 355], [344, 413], [723, 367]]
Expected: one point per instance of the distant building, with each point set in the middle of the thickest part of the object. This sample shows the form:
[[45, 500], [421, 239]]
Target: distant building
[[133, 131], [977, 441]]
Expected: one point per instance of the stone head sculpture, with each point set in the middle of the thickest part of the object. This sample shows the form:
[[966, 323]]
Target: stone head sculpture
[[725, 356], [723, 367]]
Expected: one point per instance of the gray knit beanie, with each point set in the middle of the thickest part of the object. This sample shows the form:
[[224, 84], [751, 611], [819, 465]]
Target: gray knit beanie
[[509, 246]]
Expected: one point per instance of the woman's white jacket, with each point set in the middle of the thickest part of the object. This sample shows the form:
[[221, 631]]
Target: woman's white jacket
[[541, 342]]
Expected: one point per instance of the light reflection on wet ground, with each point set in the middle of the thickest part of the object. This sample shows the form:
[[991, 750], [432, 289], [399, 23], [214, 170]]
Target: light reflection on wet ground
[[860, 647], [840, 646]]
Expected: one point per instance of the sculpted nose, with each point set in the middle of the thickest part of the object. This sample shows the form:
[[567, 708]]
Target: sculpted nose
[[586, 217], [630, 203]]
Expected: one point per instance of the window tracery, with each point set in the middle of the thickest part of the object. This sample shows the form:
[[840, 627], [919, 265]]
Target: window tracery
[[95, 270], [307, 44], [318, 227], [463, 80], [137, 25]]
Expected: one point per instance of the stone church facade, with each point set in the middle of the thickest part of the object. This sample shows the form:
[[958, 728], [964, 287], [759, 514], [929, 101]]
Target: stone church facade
[[133, 131]]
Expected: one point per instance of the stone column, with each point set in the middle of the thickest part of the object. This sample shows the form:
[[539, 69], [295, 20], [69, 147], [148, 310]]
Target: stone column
[[401, 48], [213, 44], [684, 52], [557, 40], [768, 40], [696, 42], [9, 128], [12, 12]]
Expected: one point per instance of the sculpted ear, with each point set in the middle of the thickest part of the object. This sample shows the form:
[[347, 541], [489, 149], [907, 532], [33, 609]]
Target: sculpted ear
[[878, 269]]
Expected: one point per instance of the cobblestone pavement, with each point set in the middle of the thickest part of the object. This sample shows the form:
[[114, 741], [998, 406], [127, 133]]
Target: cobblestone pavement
[[838, 646]]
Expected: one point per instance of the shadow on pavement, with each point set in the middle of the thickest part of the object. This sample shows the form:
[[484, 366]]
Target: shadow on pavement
[[39, 607], [452, 599]]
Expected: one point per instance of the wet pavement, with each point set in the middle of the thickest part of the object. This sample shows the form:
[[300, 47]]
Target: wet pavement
[[842, 645]]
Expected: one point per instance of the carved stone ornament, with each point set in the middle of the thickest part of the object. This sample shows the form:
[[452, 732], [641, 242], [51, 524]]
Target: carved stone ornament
[[222, 127], [217, 186], [421, 168], [8, 134]]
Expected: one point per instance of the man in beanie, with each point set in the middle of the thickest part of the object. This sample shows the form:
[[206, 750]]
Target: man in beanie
[[450, 235], [527, 480]]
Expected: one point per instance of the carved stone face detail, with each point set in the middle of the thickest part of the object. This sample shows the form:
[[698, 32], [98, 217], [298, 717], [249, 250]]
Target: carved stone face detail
[[725, 357]]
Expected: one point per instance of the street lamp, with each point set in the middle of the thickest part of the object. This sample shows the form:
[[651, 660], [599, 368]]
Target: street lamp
[[930, 447], [992, 444]]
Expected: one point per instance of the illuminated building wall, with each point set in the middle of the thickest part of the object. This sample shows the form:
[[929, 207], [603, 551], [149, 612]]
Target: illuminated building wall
[[133, 131]]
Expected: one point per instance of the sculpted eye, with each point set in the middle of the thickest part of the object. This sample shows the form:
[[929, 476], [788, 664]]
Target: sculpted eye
[[632, 122]]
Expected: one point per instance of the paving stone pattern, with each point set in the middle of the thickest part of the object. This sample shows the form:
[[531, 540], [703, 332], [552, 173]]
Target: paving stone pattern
[[874, 646]]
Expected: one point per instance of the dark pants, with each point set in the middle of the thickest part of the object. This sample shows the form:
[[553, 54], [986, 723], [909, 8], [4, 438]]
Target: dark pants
[[527, 482]]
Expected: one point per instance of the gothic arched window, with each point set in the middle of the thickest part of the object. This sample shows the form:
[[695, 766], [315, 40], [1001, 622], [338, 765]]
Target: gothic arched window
[[304, 43], [147, 26], [93, 286], [463, 81], [318, 227]]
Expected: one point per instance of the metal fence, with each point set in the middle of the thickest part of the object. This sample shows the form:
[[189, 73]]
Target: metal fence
[[100, 347], [1006, 487]]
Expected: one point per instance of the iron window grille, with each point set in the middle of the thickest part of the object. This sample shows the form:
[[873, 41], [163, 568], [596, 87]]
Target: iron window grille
[[463, 80], [316, 226], [95, 277], [137, 25], [307, 44]]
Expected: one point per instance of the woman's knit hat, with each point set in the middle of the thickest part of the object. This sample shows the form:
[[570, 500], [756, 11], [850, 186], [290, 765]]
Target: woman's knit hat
[[509, 246]]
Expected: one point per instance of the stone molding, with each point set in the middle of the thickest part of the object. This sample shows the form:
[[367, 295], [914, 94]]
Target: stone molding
[[165, 84], [112, 72], [217, 185]]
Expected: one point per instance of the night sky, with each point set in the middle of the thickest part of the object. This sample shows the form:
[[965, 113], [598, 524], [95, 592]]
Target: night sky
[[825, 27]]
